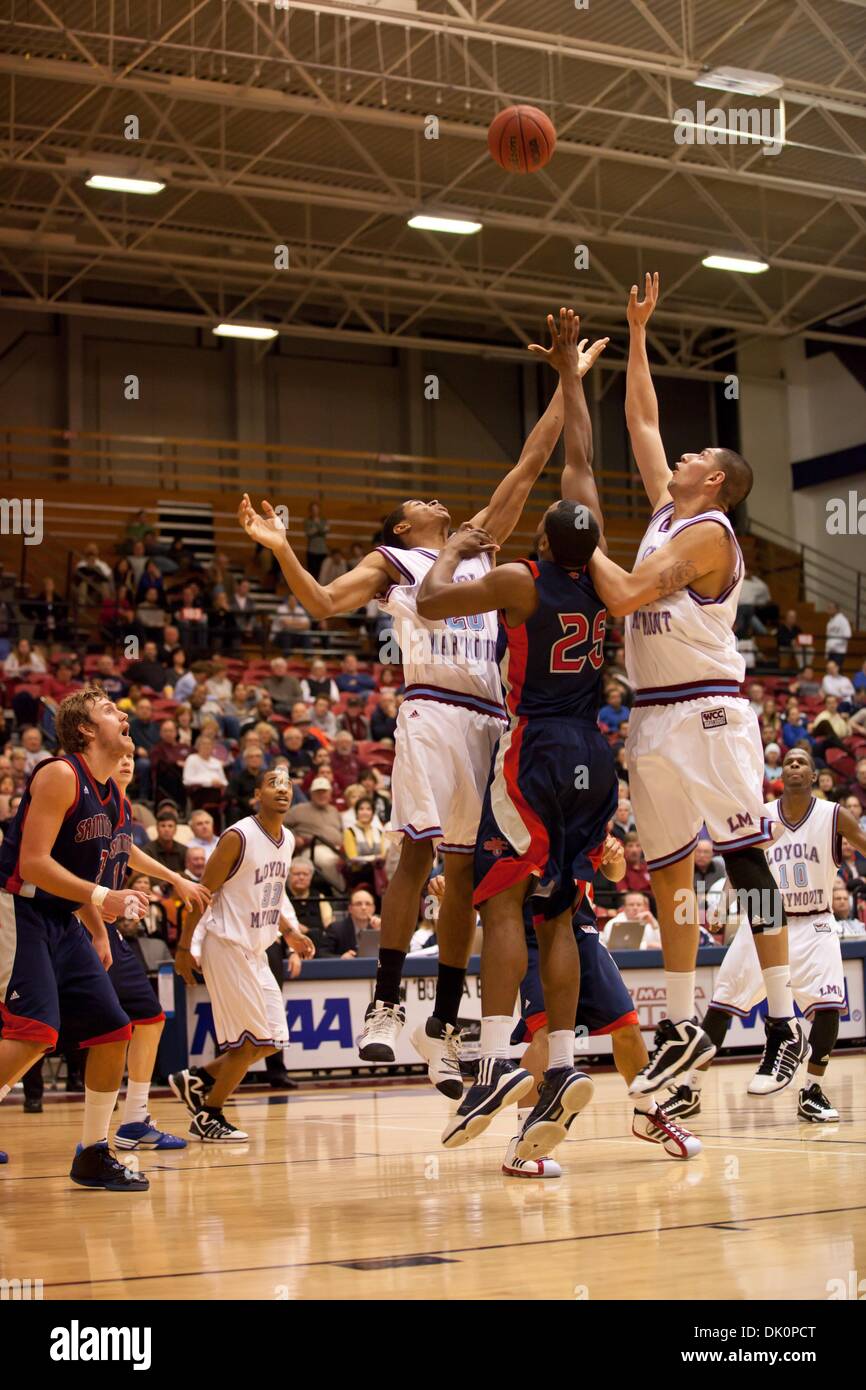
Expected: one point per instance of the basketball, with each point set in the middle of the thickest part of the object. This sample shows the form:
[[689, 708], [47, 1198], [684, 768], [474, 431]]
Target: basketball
[[521, 139]]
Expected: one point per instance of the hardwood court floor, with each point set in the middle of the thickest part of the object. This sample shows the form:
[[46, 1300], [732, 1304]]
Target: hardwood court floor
[[347, 1194]]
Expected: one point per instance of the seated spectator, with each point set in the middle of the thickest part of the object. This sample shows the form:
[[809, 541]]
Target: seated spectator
[[24, 660], [203, 835], [363, 840], [786, 637], [858, 786], [770, 721], [169, 851], [845, 922], [321, 768], [93, 577], [149, 670], [316, 826], [299, 758], [352, 719], [635, 908], [614, 715], [345, 763], [167, 758], [223, 628], [150, 617], [290, 625], [218, 685], [351, 680], [262, 712], [805, 684], [709, 867], [195, 860], [334, 566], [149, 581], [623, 818], [795, 727], [343, 932], [323, 717], [834, 683], [852, 869], [318, 682], [309, 895], [192, 619], [184, 718], [282, 688], [772, 763], [107, 676], [351, 796], [756, 698], [375, 788], [755, 608], [830, 726], [825, 787], [32, 742], [242, 783], [203, 768], [859, 681], [7, 791], [383, 720], [144, 732], [637, 875], [245, 610], [853, 805], [242, 702]]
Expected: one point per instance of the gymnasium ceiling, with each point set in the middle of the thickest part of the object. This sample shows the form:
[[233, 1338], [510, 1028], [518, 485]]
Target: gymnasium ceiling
[[303, 124]]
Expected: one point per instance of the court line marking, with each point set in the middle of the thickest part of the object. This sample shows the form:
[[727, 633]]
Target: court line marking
[[451, 1250]]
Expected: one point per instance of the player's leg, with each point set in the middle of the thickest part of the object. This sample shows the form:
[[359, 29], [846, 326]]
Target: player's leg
[[209, 1124], [437, 1041], [534, 1060], [818, 981], [812, 1104], [385, 1016], [138, 1000], [499, 1081]]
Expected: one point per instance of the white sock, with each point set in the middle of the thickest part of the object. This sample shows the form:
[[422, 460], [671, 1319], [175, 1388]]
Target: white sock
[[777, 982], [496, 1035], [135, 1106], [560, 1048], [696, 1080], [4, 1091], [523, 1114], [680, 989], [98, 1106], [646, 1104]]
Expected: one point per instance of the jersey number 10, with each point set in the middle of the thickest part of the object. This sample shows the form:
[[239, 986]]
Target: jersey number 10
[[565, 659]]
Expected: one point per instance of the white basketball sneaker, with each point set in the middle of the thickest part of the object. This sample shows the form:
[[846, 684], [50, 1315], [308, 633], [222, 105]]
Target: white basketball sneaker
[[514, 1167], [785, 1048], [382, 1026], [439, 1044], [658, 1128]]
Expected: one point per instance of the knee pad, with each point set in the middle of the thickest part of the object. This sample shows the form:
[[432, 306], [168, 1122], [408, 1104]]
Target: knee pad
[[822, 1038], [757, 891]]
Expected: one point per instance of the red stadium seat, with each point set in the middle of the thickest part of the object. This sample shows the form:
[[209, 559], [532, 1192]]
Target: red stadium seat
[[842, 763]]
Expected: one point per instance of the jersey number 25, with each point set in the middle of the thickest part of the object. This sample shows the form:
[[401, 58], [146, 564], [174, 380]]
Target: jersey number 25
[[565, 658]]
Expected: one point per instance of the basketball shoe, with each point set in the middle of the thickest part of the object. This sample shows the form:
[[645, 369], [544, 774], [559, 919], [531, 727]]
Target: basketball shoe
[[785, 1048], [562, 1095], [684, 1101], [813, 1105], [189, 1088], [500, 1082], [657, 1128], [439, 1044], [382, 1026], [514, 1167], [145, 1135], [679, 1047], [97, 1166], [212, 1127]]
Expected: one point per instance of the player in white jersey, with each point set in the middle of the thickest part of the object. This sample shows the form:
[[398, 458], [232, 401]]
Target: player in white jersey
[[446, 730], [247, 875], [694, 749], [804, 860]]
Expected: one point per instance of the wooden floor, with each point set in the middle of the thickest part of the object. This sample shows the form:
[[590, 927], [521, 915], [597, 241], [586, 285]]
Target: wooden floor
[[347, 1194]]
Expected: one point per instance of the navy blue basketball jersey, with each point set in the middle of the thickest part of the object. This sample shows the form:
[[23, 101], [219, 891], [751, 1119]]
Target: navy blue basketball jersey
[[84, 840], [551, 664], [114, 870]]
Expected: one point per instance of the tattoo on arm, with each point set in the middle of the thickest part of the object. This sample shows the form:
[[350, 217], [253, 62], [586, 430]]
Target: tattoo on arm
[[676, 577]]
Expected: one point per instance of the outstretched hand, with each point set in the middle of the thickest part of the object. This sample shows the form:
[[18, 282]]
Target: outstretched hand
[[266, 528], [568, 351], [470, 540], [640, 311]]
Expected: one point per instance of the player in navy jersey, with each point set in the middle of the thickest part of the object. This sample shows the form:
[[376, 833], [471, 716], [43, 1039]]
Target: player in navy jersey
[[130, 981], [51, 866], [552, 788]]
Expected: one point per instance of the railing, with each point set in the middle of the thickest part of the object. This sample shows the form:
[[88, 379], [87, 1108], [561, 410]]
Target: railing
[[821, 579]]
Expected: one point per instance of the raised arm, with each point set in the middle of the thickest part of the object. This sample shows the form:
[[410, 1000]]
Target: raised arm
[[192, 894], [641, 405], [505, 507], [352, 590], [510, 586], [573, 359], [697, 555]]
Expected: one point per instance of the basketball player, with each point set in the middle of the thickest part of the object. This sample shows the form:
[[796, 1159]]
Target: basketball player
[[694, 749], [448, 724], [604, 1006], [130, 981], [51, 864], [247, 875], [552, 788], [804, 860]]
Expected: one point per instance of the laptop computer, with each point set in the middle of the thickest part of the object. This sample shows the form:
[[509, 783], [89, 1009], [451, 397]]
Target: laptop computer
[[368, 942], [626, 936]]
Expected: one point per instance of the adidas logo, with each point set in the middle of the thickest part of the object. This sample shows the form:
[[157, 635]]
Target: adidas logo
[[414, 714]]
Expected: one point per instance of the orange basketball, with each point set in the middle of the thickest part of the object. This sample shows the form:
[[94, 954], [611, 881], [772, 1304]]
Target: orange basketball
[[521, 139]]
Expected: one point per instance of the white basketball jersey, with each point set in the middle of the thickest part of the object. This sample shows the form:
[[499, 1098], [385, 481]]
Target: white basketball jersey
[[683, 647], [449, 659], [805, 859], [246, 910]]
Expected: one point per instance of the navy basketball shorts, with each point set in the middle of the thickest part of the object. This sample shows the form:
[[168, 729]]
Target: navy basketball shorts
[[550, 796], [50, 973], [133, 988], [605, 1004]]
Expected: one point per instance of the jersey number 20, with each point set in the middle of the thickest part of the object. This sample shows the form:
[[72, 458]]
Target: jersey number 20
[[565, 659]]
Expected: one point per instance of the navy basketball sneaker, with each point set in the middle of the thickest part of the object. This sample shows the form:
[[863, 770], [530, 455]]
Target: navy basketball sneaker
[[500, 1082], [97, 1166], [563, 1093]]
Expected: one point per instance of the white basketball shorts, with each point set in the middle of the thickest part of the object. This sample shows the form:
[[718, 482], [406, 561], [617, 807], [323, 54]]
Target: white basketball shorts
[[695, 763], [247, 1002], [443, 758], [817, 975]]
